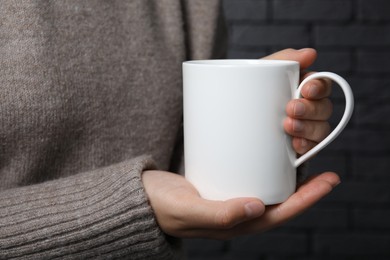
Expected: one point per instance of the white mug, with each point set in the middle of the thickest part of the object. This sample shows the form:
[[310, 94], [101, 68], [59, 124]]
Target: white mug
[[234, 141]]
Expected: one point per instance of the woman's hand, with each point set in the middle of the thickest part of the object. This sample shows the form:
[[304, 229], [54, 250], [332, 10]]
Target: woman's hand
[[307, 117], [181, 212]]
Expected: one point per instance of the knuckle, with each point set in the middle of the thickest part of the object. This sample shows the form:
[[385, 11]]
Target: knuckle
[[312, 130], [327, 129], [322, 109], [316, 109], [328, 84], [328, 107], [321, 131], [223, 219]]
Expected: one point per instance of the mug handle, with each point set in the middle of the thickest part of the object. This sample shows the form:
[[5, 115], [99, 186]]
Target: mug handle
[[349, 104]]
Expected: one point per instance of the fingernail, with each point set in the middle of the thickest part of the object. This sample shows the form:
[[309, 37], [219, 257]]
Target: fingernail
[[297, 126], [337, 183], [254, 209], [299, 109]]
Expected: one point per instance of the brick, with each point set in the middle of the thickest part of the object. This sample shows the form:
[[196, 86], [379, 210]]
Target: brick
[[370, 87], [373, 10], [360, 193], [245, 54], [361, 140], [328, 162], [352, 35], [354, 243], [270, 243], [372, 218], [373, 62], [370, 140], [374, 168], [373, 112], [242, 10], [269, 35], [312, 10], [335, 61], [321, 218]]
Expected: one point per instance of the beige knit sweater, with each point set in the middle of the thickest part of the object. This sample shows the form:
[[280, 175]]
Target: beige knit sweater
[[90, 96]]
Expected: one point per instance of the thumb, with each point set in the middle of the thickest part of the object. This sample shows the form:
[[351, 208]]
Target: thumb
[[305, 57], [226, 214]]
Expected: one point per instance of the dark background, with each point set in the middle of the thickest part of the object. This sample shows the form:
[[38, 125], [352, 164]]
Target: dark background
[[353, 39]]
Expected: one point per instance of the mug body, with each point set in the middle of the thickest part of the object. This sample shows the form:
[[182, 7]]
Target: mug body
[[234, 141]]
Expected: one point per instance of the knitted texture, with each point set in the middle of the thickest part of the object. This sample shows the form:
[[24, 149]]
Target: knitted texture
[[86, 215], [90, 91]]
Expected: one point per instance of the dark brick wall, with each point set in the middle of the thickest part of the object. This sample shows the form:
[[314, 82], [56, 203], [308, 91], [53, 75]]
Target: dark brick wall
[[353, 39]]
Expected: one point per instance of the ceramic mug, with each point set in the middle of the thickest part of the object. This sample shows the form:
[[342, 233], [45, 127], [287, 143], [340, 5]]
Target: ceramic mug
[[234, 141]]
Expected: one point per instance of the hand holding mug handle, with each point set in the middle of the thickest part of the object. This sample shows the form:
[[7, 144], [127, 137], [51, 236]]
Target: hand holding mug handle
[[349, 104]]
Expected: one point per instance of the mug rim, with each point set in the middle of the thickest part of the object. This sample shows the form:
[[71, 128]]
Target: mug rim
[[240, 62]]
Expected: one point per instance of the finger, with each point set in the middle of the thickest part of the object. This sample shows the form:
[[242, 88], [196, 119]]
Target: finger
[[222, 214], [314, 131], [310, 109], [317, 89], [302, 145], [330, 177], [305, 57], [307, 195], [310, 192]]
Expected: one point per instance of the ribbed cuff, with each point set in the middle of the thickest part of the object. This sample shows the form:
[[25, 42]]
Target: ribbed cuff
[[101, 214]]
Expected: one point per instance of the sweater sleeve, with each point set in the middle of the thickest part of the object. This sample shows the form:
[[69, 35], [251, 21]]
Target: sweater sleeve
[[103, 214]]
